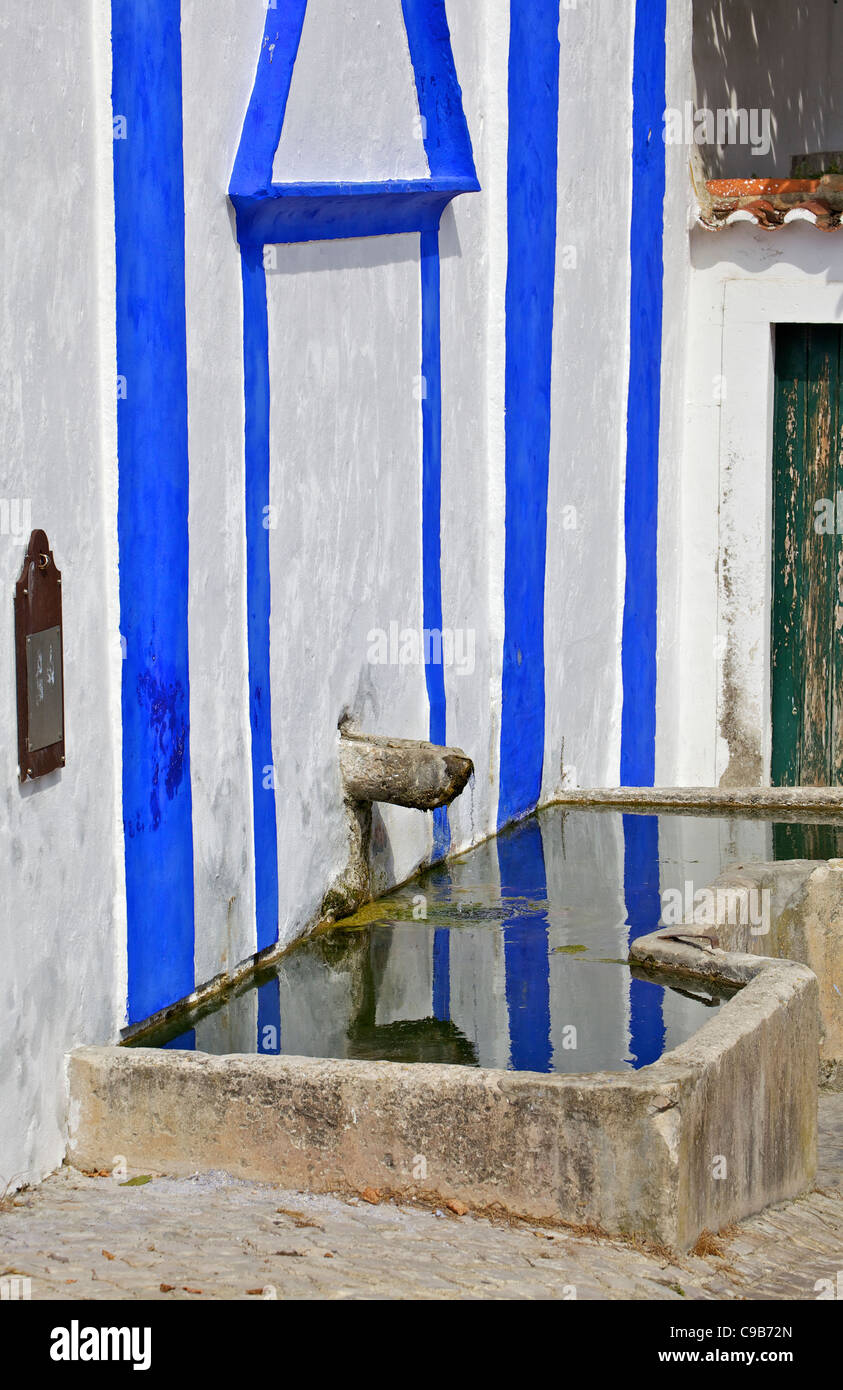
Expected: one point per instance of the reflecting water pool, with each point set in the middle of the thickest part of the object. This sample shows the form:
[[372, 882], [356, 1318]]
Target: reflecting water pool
[[510, 956]]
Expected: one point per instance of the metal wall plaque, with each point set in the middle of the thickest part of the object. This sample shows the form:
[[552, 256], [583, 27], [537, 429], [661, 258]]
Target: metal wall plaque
[[40, 668], [43, 688]]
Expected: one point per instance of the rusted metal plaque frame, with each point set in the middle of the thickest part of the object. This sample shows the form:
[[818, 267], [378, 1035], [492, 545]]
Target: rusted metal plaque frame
[[37, 609]]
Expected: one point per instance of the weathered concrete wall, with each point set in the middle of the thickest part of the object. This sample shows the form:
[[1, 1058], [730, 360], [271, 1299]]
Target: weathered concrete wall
[[746, 1133], [805, 924], [525, 1142], [641, 1153]]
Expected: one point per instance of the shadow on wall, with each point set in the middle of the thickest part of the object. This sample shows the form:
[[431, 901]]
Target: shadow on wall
[[353, 253], [801, 251], [781, 57]]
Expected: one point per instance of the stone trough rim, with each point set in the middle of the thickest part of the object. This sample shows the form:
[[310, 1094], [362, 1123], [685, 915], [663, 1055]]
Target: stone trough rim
[[679, 959], [649, 951], [613, 1149]]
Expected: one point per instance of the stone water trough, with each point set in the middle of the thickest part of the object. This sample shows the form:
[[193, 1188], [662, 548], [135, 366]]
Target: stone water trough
[[714, 1130]]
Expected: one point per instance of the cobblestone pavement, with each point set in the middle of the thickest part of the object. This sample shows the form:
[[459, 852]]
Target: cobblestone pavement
[[213, 1236]]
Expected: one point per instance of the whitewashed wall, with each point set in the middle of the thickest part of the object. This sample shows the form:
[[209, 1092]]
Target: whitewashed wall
[[219, 44], [672, 531], [744, 279], [345, 439], [345, 556], [472, 242], [364, 124], [724, 291], [584, 583], [62, 929]]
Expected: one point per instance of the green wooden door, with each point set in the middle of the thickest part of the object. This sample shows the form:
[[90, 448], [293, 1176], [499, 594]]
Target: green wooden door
[[807, 641]]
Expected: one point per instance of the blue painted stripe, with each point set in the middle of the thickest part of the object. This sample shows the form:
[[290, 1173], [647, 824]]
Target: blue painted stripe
[[531, 227], [256, 379], [432, 504], [153, 502], [446, 139], [526, 950], [442, 973], [638, 660], [641, 876], [314, 211], [265, 114]]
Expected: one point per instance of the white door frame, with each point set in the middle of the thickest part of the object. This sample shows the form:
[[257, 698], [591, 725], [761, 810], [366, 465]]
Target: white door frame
[[751, 308]]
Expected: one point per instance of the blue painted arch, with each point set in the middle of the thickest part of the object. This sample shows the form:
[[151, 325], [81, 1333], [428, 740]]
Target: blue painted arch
[[270, 212], [276, 213]]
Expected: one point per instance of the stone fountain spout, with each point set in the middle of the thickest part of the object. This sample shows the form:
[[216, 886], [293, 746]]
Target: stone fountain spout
[[401, 771]]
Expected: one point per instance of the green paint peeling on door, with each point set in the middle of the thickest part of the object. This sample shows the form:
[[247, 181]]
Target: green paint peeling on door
[[807, 642]]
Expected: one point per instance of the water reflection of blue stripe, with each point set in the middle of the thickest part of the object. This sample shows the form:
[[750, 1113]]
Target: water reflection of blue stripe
[[643, 911], [442, 973], [522, 874], [269, 1017]]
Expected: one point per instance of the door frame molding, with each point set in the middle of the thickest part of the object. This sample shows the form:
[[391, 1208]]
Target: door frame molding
[[751, 309]]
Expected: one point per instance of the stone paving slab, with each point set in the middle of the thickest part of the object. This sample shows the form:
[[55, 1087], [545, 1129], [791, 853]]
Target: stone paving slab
[[214, 1236]]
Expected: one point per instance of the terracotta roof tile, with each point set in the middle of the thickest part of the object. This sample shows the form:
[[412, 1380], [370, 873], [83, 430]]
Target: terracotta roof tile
[[773, 203]]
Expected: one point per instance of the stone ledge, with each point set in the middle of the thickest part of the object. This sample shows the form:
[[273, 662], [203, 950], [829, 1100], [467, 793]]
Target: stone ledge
[[807, 801], [805, 925], [753, 1099]]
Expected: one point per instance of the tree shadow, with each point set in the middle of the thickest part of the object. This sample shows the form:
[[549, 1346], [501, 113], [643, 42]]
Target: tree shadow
[[782, 56]]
